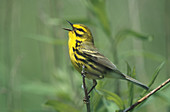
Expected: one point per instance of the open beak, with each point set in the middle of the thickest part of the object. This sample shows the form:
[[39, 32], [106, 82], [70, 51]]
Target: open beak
[[71, 26]]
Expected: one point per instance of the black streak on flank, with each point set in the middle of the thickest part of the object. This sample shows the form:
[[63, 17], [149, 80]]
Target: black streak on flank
[[95, 68], [80, 59], [86, 62], [74, 49], [77, 45], [98, 64], [78, 42], [79, 53], [88, 59], [78, 64]]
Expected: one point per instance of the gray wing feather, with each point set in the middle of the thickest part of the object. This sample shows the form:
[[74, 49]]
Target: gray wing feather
[[98, 57], [93, 54]]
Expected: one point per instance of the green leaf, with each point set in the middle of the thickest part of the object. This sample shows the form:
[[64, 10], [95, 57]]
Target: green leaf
[[61, 107], [112, 97], [146, 54], [97, 103], [120, 36], [130, 85], [98, 8], [110, 106], [163, 95], [128, 69], [131, 88], [154, 76]]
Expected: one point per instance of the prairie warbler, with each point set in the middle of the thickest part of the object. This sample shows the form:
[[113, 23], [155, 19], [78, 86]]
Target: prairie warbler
[[83, 53]]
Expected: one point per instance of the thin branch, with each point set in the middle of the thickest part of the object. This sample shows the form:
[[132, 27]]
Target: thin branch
[[86, 99], [147, 96]]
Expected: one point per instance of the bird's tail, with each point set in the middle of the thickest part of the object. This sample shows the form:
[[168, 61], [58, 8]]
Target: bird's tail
[[120, 75], [135, 81]]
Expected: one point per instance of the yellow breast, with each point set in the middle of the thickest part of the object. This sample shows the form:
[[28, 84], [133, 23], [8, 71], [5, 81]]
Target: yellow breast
[[72, 46]]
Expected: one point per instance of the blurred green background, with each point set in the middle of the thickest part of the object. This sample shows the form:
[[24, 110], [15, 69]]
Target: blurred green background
[[35, 71]]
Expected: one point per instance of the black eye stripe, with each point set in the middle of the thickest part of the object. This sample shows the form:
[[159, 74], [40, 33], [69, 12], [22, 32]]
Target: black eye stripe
[[80, 30], [78, 35]]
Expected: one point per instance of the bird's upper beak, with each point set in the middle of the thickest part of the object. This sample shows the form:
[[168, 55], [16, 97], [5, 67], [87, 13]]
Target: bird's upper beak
[[71, 26]]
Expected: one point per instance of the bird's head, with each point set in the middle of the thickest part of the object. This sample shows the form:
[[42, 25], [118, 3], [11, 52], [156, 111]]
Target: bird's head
[[80, 32]]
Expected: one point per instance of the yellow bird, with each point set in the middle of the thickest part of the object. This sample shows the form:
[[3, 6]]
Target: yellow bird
[[83, 53]]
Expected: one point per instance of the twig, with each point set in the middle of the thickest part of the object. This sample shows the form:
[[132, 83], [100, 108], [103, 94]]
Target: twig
[[86, 99], [147, 96]]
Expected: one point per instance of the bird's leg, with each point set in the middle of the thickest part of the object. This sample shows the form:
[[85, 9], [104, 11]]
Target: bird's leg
[[94, 85], [86, 99]]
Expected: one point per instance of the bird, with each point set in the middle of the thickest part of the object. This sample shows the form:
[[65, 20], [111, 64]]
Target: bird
[[85, 56]]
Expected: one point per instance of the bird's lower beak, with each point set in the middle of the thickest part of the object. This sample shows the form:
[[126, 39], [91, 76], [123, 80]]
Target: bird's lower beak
[[67, 29]]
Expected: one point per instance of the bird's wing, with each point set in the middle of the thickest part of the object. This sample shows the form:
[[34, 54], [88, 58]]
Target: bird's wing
[[92, 53], [96, 56]]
